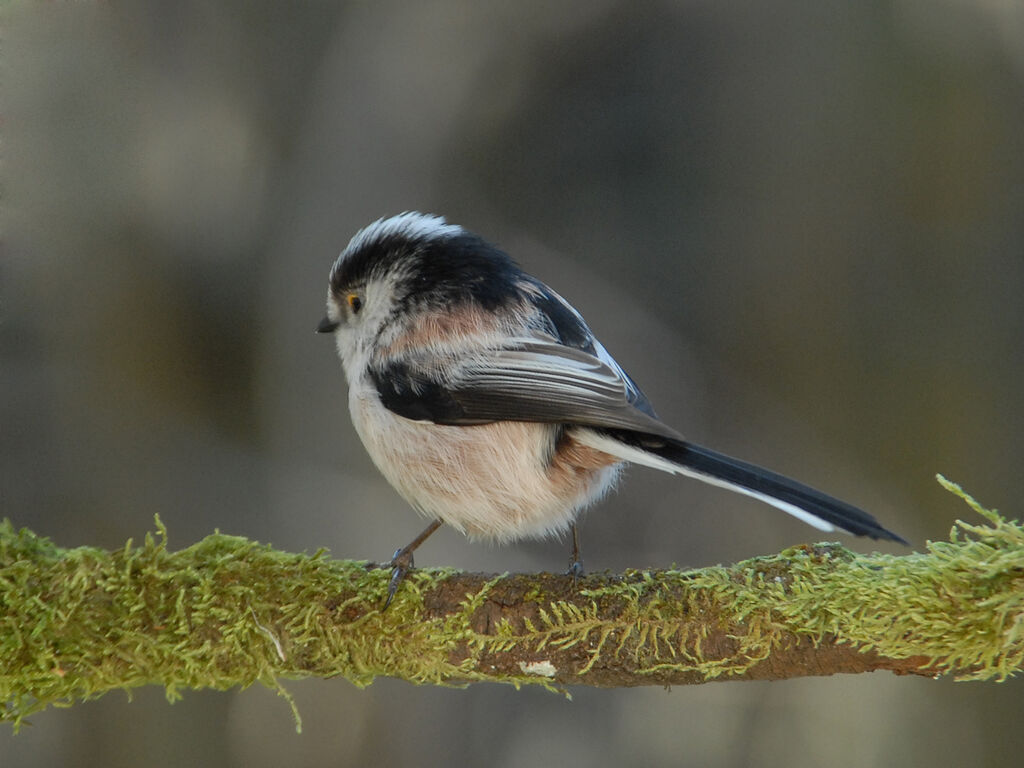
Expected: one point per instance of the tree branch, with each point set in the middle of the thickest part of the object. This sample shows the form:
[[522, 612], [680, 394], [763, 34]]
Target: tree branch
[[75, 623]]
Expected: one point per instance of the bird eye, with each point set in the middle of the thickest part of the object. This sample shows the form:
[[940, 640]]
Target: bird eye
[[355, 302]]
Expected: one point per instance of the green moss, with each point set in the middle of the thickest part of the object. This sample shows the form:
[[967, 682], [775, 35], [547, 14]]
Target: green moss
[[75, 623], [959, 607]]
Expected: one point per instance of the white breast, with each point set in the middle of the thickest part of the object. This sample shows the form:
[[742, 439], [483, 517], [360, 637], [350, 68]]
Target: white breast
[[491, 481]]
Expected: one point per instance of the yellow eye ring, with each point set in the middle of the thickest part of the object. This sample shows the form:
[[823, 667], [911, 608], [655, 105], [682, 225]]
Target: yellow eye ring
[[355, 302]]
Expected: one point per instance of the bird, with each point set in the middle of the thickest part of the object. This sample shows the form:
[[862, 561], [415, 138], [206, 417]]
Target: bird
[[487, 402]]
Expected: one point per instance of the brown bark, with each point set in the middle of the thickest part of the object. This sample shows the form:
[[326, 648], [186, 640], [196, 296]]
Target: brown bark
[[792, 654]]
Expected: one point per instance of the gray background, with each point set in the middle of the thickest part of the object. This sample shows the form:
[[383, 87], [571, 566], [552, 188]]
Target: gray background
[[798, 224]]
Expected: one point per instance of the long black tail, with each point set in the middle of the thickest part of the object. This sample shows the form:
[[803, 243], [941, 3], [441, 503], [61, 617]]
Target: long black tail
[[806, 503]]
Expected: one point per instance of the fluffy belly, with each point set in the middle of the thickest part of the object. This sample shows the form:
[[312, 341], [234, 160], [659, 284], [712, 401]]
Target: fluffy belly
[[500, 481]]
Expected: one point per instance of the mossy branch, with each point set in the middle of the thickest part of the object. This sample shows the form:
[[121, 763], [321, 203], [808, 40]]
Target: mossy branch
[[75, 623]]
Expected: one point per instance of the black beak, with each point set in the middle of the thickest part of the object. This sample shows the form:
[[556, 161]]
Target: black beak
[[326, 326]]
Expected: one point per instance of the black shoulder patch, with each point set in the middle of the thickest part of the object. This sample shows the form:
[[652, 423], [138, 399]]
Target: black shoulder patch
[[566, 324], [416, 397]]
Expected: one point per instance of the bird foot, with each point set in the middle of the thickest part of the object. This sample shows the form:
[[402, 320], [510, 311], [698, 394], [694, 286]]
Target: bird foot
[[575, 570], [400, 565]]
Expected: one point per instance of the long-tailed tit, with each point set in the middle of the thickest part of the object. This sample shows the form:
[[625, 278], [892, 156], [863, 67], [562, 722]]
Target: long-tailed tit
[[485, 400]]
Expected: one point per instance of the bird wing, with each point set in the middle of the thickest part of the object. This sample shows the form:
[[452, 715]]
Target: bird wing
[[534, 378]]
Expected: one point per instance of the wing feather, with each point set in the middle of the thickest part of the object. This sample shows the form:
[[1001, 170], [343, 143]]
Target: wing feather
[[534, 378]]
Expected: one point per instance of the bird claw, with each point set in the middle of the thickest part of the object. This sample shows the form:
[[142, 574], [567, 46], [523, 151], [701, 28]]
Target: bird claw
[[575, 570], [401, 563]]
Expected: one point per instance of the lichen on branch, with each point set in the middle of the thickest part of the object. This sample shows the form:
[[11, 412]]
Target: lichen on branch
[[75, 623]]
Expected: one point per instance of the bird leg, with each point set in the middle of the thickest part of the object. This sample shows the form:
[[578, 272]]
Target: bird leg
[[576, 564], [402, 560]]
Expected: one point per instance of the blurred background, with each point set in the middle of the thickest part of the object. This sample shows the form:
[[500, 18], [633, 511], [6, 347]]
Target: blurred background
[[798, 224]]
